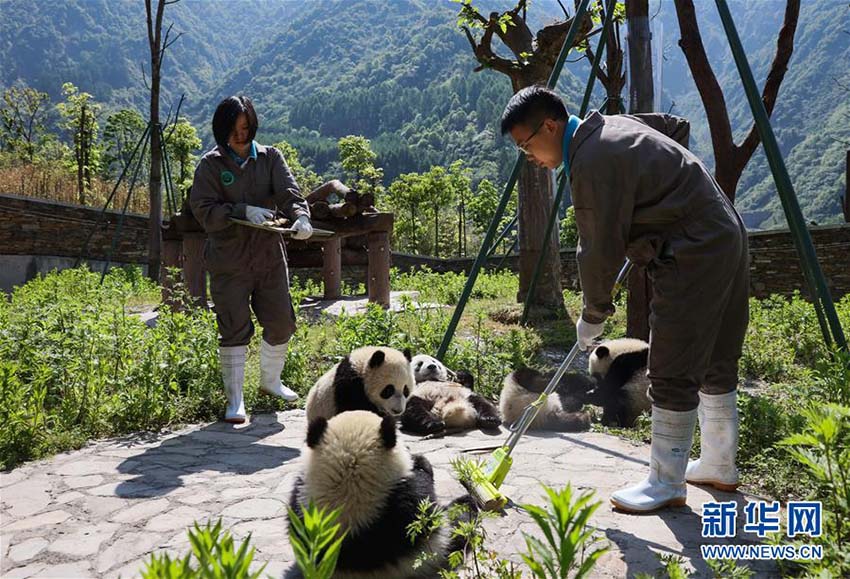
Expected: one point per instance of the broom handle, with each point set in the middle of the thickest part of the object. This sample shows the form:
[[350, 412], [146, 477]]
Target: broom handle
[[530, 412]]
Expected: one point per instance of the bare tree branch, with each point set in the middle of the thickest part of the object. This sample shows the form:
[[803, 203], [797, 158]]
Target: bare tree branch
[[144, 76], [731, 159], [566, 14], [778, 68], [709, 89]]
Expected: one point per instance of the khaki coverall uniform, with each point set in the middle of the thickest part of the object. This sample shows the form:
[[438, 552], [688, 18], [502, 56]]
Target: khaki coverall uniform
[[639, 192], [246, 264]]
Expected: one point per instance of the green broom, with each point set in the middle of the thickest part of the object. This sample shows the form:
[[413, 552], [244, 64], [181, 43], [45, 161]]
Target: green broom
[[485, 482]]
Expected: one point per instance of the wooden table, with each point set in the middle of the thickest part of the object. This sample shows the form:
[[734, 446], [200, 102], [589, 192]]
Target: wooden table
[[377, 227]]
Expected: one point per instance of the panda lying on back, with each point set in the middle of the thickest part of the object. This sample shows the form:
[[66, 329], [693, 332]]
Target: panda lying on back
[[618, 385], [376, 379], [562, 410], [355, 463], [443, 399]]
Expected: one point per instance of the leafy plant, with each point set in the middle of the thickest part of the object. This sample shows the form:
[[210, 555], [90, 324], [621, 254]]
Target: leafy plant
[[213, 556], [316, 540], [567, 535], [823, 448]]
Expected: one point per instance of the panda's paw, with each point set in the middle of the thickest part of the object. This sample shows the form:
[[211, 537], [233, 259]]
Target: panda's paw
[[489, 422], [434, 426]]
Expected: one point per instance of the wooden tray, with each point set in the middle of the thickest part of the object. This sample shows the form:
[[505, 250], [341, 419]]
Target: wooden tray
[[286, 231]]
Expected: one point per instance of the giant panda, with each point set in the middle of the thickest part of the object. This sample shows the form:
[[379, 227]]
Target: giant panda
[[619, 369], [354, 462], [440, 401], [370, 378], [562, 410]]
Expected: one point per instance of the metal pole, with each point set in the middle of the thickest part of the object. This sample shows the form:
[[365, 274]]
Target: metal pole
[[120, 225], [502, 235], [825, 308], [111, 195], [564, 182], [509, 186]]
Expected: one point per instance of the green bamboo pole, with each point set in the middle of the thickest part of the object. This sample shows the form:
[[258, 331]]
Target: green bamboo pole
[[824, 306], [564, 181], [509, 186]]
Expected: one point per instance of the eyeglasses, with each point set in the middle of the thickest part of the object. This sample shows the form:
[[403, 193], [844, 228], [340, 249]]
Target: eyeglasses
[[522, 146]]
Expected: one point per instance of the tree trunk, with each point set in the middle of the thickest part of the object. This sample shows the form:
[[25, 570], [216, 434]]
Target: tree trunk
[[640, 101], [436, 232], [640, 56], [846, 201], [79, 154], [155, 189], [535, 203]]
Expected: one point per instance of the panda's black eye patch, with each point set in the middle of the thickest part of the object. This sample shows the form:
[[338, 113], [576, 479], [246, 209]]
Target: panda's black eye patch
[[388, 392], [418, 365], [406, 391]]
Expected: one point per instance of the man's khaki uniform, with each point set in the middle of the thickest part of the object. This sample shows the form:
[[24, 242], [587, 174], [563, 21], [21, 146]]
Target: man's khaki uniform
[[247, 264], [639, 192]]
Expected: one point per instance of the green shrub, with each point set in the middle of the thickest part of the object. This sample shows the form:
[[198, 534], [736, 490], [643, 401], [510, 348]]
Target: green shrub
[[213, 556], [823, 449], [76, 365], [316, 541], [446, 288], [568, 549]]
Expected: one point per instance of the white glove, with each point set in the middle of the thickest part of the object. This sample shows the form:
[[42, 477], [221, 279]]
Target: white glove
[[587, 332], [302, 228], [257, 215]]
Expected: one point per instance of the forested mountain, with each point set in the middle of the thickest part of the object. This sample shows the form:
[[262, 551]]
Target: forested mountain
[[401, 74]]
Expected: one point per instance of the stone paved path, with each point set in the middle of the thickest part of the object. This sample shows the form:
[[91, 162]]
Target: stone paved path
[[101, 511]]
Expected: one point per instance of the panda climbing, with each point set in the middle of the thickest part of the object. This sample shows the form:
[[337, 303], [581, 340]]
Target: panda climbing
[[563, 409], [443, 399], [377, 379], [619, 369], [354, 462]]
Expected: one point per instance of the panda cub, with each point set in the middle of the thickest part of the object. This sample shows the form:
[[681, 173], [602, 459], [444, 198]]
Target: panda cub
[[444, 399], [376, 379], [355, 463], [619, 369], [562, 410]]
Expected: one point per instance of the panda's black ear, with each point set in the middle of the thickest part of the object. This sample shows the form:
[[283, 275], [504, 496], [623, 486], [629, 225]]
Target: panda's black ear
[[602, 352], [316, 430], [377, 359], [388, 434], [407, 354]]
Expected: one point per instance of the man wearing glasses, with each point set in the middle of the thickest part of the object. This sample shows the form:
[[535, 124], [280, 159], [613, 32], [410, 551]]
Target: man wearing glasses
[[639, 193]]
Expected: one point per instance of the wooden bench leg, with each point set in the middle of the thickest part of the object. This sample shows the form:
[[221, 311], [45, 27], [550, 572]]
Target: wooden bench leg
[[378, 273], [332, 267]]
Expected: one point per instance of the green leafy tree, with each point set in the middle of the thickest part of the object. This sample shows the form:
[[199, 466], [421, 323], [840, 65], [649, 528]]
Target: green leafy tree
[[181, 143], [358, 162], [461, 184], [482, 207], [438, 193], [404, 198], [79, 113], [306, 178], [569, 229], [120, 136], [22, 120]]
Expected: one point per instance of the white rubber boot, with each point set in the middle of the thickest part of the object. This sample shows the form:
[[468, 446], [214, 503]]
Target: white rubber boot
[[272, 359], [233, 374], [718, 423], [672, 436]]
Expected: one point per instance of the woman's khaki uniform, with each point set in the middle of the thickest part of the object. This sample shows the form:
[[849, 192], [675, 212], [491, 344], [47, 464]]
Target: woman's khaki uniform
[[246, 264]]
